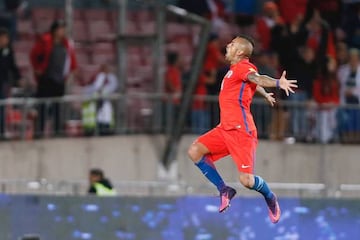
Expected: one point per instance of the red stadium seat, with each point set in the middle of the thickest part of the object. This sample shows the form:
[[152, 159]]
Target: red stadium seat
[[80, 31], [25, 30], [147, 28], [23, 46], [145, 72], [100, 30], [105, 47], [176, 29], [134, 50], [103, 53], [87, 72], [182, 47], [131, 26], [131, 15], [42, 25], [82, 57], [44, 13], [26, 72], [22, 59], [78, 14], [144, 16], [101, 58], [134, 59], [147, 61], [114, 17], [133, 81], [146, 50], [96, 15], [139, 112]]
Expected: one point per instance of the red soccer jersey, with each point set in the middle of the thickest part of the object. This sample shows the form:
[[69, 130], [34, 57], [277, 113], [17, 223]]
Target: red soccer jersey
[[235, 97]]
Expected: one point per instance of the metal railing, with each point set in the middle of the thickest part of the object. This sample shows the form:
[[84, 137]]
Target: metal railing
[[174, 188], [77, 115]]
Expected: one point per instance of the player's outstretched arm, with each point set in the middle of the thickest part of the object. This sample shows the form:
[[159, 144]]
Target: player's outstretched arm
[[266, 81], [268, 96]]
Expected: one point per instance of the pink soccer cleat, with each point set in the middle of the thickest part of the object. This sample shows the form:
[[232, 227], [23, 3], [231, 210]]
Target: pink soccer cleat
[[225, 197], [274, 209]]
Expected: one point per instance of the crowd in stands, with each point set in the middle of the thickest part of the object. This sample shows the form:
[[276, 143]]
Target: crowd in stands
[[40, 60], [317, 42]]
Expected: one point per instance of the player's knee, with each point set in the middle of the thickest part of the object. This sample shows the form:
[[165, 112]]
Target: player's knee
[[194, 152], [247, 180]]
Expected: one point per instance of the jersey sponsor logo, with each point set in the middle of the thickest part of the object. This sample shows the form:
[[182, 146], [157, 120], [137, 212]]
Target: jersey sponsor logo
[[244, 166]]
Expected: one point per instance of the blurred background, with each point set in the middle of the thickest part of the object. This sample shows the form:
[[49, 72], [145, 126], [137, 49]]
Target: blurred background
[[102, 98]]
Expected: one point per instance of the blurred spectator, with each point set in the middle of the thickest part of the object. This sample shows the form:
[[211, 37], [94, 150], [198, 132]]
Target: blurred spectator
[[245, 7], [9, 73], [200, 119], [306, 70], [53, 59], [218, 14], [279, 114], [266, 23], [8, 18], [199, 7], [262, 112], [213, 90], [173, 77], [100, 113], [263, 64], [99, 184], [173, 86], [19, 123], [326, 95], [342, 55], [330, 10], [352, 25], [319, 36], [291, 10], [244, 15], [349, 76], [214, 60], [286, 41]]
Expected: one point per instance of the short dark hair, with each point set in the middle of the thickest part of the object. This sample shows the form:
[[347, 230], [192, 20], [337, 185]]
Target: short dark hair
[[172, 57], [97, 172], [58, 23], [247, 38], [4, 31]]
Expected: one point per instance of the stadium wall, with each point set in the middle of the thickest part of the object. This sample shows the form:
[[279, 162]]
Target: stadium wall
[[136, 157]]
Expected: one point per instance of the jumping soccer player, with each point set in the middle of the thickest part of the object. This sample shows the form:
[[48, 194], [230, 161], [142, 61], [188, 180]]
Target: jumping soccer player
[[236, 134]]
